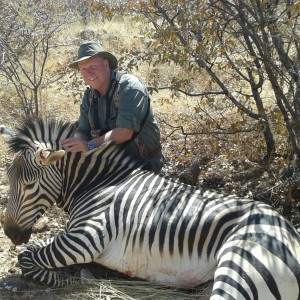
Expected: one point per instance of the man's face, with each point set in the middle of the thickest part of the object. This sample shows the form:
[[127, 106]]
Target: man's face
[[95, 72]]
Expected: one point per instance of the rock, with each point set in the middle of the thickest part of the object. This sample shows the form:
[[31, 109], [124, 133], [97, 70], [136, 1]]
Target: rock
[[12, 270], [2, 214], [41, 225]]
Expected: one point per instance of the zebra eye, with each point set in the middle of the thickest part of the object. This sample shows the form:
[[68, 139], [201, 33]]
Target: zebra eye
[[29, 185]]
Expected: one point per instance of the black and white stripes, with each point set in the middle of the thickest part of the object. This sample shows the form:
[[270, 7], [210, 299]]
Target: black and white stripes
[[143, 224]]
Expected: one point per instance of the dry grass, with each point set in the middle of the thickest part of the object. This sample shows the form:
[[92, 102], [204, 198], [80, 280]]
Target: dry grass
[[131, 290], [107, 290]]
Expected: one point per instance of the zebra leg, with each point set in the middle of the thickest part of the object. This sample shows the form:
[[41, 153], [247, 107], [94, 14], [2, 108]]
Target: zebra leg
[[56, 277], [31, 269], [50, 263], [248, 270]]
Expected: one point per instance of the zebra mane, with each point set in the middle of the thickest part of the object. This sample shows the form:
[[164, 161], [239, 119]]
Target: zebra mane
[[33, 132]]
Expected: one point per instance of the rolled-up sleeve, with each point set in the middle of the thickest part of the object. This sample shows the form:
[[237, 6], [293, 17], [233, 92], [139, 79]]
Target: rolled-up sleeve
[[133, 108]]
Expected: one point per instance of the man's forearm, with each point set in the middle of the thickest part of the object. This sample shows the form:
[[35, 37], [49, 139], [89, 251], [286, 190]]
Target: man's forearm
[[117, 135]]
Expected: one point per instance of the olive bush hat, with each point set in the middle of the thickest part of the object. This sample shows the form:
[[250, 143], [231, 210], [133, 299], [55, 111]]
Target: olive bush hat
[[91, 48]]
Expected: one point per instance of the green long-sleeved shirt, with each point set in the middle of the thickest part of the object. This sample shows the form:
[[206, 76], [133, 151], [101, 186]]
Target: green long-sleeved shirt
[[127, 111]]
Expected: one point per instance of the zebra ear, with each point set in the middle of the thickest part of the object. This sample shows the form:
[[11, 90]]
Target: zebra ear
[[6, 133], [47, 156]]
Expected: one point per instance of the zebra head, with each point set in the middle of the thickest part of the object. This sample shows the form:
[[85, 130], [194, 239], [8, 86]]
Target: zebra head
[[34, 178]]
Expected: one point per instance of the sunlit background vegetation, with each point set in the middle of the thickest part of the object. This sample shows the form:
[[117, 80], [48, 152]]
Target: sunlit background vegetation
[[223, 76]]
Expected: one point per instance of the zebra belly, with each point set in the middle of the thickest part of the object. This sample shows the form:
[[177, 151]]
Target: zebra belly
[[178, 271]]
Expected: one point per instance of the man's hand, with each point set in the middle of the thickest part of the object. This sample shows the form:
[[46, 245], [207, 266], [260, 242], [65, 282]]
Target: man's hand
[[79, 143], [74, 144]]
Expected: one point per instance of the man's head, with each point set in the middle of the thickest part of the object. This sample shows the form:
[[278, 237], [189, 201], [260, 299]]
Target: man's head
[[94, 64], [90, 49], [95, 72]]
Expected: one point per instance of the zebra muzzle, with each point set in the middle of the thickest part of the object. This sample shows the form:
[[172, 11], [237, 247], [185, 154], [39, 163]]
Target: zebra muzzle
[[16, 234]]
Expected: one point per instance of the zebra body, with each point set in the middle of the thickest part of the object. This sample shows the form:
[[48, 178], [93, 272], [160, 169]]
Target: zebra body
[[143, 224]]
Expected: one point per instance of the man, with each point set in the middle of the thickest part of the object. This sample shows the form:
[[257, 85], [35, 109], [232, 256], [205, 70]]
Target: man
[[116, 107]]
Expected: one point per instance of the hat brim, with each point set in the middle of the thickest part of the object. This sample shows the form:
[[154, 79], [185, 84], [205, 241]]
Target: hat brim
[[113, 62]]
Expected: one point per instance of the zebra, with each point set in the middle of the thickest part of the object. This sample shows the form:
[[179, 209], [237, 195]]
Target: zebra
[[145, 225]]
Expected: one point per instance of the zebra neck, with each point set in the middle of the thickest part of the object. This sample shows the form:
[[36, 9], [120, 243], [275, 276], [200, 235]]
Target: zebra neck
[[85, 175]]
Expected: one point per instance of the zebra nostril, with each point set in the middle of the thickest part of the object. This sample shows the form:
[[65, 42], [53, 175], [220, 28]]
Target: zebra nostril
[[16, 238]]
